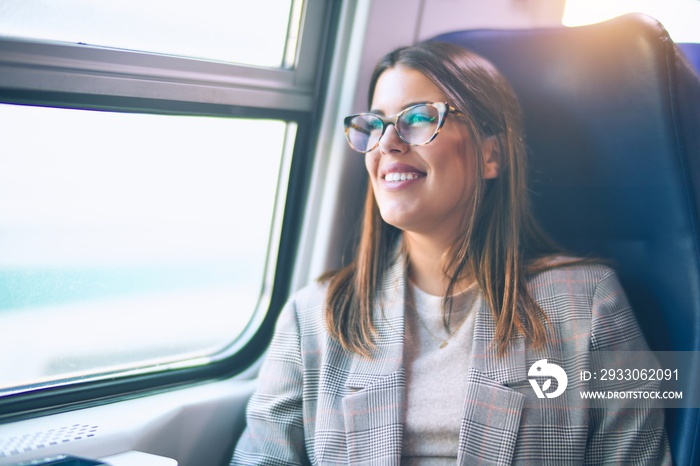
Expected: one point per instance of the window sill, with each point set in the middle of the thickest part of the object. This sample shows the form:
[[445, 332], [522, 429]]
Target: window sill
[[137, 458]]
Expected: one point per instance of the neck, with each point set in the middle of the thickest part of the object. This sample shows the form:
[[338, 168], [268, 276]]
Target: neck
[[426, 262]]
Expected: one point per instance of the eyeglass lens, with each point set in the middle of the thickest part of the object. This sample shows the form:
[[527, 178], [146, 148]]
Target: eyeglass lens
[[416, 125]]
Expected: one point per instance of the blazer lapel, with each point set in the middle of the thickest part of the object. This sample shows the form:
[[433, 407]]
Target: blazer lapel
[[492, 411], [507, 369], [373, 408]]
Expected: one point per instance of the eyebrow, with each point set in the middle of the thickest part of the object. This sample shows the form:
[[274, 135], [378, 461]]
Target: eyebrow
[[381, 112]]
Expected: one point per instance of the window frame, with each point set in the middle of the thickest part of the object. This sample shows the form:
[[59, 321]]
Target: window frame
[[96, 78], [92, 70]]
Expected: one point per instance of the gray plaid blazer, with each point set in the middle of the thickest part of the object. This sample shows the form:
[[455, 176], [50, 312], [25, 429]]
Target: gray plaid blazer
[[318, 404]]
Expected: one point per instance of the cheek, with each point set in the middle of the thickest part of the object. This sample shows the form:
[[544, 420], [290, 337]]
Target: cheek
[[459, 173], [371, 162], [457, 163], [466, 166]]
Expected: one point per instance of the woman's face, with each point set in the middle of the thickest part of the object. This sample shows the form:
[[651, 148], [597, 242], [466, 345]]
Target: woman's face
[[441, 176]]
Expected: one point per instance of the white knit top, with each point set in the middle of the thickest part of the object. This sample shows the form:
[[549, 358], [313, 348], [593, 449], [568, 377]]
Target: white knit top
[[435, 376]]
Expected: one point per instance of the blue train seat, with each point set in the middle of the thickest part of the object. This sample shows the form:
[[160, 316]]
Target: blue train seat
[[612, 119], [691, 50]]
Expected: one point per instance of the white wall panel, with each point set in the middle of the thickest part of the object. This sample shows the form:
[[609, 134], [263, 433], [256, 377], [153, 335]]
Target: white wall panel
[[440, 16]]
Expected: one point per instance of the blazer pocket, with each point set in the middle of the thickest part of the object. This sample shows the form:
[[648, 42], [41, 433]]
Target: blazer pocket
[[373, 419], [490, 422]]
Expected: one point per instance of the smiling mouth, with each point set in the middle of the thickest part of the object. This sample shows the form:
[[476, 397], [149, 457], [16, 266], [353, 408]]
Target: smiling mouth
[[396, 177]]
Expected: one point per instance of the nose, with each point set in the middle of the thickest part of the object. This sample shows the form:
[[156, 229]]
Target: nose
[[391, 142]]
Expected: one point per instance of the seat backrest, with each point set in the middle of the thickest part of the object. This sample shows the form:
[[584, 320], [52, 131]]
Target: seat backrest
[[612, 121], [691, 50]]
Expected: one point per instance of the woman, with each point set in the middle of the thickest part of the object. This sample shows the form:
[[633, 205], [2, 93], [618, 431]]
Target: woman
[[418, 352]]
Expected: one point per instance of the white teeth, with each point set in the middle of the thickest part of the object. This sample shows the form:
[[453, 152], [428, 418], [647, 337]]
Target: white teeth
[[392, 177]]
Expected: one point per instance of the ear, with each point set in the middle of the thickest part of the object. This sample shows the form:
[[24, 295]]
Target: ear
[[491, 152]]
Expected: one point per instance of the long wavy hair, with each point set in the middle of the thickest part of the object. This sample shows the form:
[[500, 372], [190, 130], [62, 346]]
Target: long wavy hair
[[500, 242]]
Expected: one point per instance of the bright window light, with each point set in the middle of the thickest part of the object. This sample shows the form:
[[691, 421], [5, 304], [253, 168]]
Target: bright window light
[[262, 33], [680, 17], [129, 239]]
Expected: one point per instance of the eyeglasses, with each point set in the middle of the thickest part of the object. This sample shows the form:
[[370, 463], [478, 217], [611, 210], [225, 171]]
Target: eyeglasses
[[416, 125]]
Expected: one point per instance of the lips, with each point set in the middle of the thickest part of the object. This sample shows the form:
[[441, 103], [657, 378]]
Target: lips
[[398, 172]]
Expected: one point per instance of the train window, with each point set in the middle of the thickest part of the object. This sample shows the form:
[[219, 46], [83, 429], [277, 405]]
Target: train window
[[140, 237], [209, 29], [679, 17], [149, 196]]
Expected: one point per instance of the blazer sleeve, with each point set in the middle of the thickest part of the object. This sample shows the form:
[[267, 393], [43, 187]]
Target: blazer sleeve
[[622, 433], [274, 434]]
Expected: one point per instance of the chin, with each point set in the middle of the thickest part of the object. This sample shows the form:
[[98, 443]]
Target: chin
[[401, 222], [395, 217]]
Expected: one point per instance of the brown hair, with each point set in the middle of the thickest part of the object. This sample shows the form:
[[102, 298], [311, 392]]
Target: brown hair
[[500, 243]]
